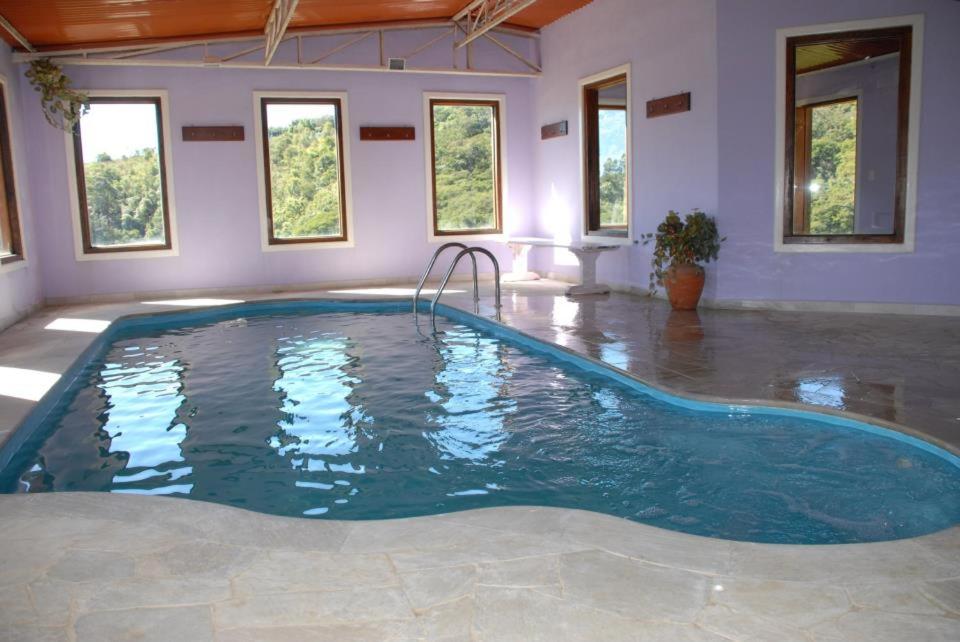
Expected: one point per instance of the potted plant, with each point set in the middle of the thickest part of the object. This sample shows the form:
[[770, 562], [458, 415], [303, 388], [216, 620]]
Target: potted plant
[[679, 246], [62, 106]]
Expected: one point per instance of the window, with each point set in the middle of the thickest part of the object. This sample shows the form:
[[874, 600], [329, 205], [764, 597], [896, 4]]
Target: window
[[606, 118], [119, 155], [11, 244], [303, 161], [847, 139], [466, 180]]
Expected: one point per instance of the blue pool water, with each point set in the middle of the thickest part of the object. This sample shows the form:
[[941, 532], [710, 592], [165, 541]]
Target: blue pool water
[[351, 414]]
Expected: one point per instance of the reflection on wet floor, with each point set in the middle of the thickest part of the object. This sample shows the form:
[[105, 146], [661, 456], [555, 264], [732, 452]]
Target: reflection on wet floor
[[830, 360]]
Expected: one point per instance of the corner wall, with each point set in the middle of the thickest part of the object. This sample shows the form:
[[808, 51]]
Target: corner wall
[[19, 282], [671, 47]]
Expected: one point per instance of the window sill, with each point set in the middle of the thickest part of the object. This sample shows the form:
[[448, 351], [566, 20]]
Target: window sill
[[132, 254], [12, 263], [907, 247], [467, 237], [308, 245]]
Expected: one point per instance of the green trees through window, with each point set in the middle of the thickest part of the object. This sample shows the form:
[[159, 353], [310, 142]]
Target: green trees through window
[[302, 145], [120, 175], [613, 140], [833, 168], [466, 166]]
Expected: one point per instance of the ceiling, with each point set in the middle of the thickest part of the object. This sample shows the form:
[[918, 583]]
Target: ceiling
[[56, 24], [841, 52]]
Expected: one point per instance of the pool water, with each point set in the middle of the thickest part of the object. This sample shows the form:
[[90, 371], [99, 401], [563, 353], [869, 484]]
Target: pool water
[[359, 415]]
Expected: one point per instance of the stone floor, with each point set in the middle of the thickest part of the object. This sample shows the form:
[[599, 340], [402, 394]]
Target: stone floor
[[87, 566], [91, 566]]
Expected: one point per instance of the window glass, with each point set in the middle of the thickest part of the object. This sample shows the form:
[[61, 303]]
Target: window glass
[[10, 243], [302, 146], [466, 166], [120, 175]]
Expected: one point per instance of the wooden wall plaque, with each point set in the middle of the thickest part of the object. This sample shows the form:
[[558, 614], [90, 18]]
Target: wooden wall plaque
[[388, 133], [669, 105], [554, 130], [216, 133]]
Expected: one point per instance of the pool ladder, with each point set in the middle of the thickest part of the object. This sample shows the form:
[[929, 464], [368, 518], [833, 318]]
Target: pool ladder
[[464, 251]]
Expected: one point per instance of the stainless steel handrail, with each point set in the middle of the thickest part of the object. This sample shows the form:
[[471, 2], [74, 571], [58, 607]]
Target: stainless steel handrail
[[426, 274], [453, 266]]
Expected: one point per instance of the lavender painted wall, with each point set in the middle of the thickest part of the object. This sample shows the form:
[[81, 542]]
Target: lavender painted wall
[[19, 282], [718, 157], [748, 266], [216, 183], [670, 45]]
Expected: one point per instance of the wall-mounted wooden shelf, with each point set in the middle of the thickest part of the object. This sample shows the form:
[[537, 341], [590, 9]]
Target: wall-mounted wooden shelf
[[213, 133], [388, 133], [554, 130], [669, 105]]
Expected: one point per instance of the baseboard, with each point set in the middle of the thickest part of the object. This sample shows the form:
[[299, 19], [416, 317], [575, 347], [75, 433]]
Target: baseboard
[[17, 317], [123, 297], [859, 307]]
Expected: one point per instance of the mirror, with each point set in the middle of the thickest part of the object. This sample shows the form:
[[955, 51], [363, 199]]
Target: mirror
[[606, 118], [848, 97]]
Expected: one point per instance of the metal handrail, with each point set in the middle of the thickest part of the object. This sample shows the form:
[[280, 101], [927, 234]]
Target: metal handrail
[[426, 274], [453, 266]]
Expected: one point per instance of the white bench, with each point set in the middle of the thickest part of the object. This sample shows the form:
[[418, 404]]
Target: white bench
[[587, 254]]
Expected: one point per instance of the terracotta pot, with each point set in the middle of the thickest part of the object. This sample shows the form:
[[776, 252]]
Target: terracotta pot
[[684, 285]]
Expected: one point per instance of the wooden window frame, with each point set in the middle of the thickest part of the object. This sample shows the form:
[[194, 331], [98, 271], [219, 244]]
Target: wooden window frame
[[905, 34], [81, 189], [590, 100], [10, 224], [495, 105], [263, 101], [803, 158]]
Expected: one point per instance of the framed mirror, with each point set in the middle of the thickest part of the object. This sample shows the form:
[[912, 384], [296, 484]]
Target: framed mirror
[[847, 129]]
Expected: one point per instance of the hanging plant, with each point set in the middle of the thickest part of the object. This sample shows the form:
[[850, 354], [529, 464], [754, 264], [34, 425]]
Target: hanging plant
[[62, 106]]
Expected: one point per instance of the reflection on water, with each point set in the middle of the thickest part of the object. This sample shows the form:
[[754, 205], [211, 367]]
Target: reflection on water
[[473, 398], [318, 417], [143, 392], [359, 416]]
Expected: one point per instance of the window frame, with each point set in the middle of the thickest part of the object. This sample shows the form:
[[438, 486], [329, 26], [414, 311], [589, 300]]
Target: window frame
[[498, 102], [16, 257], [80, 179], [75, 179], [903, 239], [269, 242], [607, 234]]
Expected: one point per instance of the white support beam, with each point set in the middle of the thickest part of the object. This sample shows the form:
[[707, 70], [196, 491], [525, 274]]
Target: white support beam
[[277, 23], [313, 50], [16, 34], [480, 16]]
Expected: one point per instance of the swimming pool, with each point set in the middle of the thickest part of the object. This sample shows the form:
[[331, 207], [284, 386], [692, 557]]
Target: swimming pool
[[346, 410]]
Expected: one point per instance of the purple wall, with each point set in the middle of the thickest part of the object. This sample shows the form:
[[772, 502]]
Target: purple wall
[[216, 183], [670, 45], [748, 267], [718, 157], [19, 282]]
